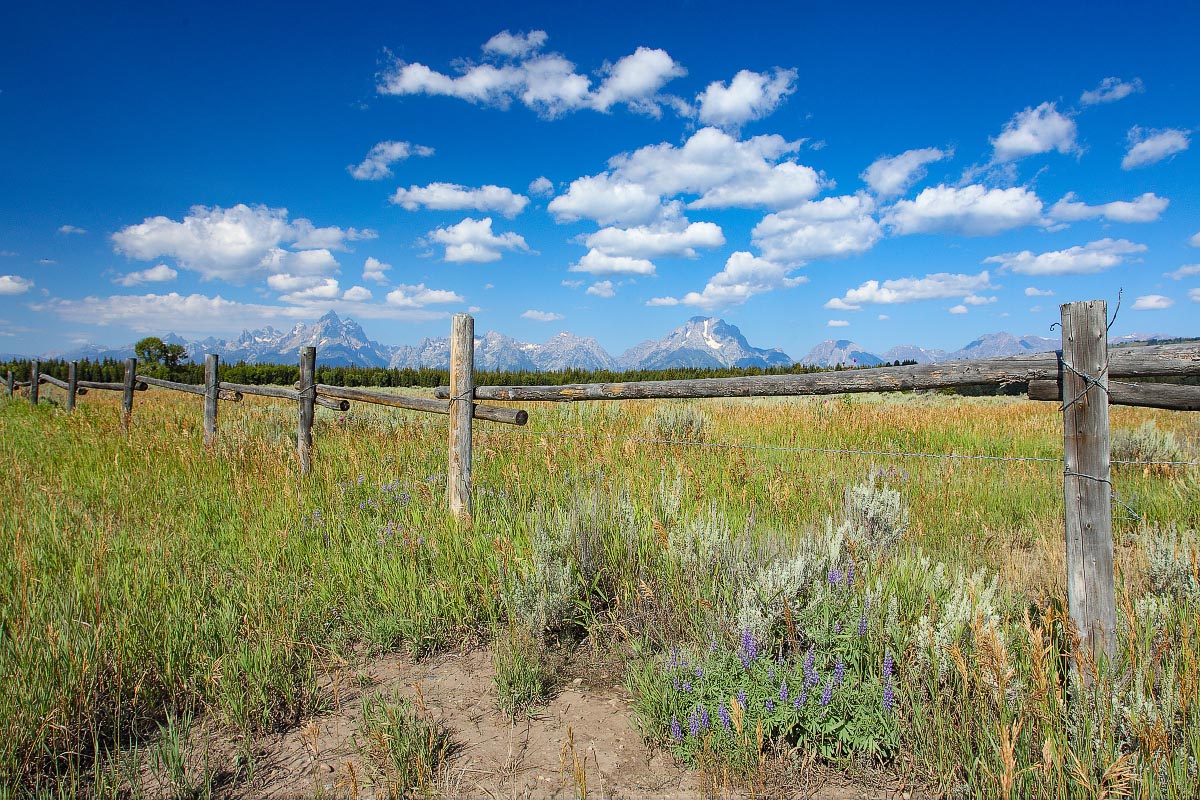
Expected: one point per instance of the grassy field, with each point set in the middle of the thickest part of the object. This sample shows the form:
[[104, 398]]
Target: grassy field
[[915, 604]]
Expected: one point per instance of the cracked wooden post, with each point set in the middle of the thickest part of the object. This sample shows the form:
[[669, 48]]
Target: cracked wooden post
[[1087, 478], [211, 392], [35, 375], [462, 394], [308, 397], [72, 385], [127, 395], [10, 382]]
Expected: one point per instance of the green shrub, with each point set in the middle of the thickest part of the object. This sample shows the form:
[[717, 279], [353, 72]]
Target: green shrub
[[525, 674], [1147, 443], [406, 747], [679, 422]]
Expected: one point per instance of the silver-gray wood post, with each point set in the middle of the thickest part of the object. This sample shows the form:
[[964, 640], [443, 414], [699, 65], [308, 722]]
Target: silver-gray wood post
[[72, 384], [462, 394], [308, 396], [1087, 481], [35, 376], [9, 381], [127, 394], [212, 391]]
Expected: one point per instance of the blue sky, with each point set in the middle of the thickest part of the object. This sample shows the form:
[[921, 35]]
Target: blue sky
[[916, 173]]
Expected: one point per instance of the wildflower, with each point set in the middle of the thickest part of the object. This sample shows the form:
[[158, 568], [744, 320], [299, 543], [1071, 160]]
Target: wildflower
[[827, 695], [676, 731], [704, 718], [694, 723], [862, 625], [678, 685], [783, 692], [714, 645], [835, 576], [699, 672], [723, 715], [361, 478], [800, 698], [749, 648], [810, 674], [887, 665], [837, 627], [850, 574], [687, 686], [673, 661], [839, 671], [771, 674], [889, 696], [770, 705], [741, 698]]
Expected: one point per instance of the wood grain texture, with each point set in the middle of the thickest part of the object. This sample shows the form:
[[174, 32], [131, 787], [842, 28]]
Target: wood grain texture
[[127, 389], [462, 386], [1126, 362], [139, 386], [10, 383], [1121, 393], [72, 385], [1087, 481], [35, 370], [508, 416], [212, 393], [306, 397]]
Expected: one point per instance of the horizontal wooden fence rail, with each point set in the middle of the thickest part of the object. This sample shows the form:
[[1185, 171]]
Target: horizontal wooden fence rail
[[1146, 395], [226, 394], [53, 381], [138, 386], [282, 393], [508, 416], [1125, 362]]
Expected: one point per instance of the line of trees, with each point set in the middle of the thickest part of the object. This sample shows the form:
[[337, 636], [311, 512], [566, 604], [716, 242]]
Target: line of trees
[[286, 374]]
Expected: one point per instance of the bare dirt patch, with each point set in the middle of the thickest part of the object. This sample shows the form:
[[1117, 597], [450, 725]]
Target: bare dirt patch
[[493, 756]]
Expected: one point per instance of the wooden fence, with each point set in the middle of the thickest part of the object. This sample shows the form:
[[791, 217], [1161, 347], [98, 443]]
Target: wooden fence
[[1079, 377]]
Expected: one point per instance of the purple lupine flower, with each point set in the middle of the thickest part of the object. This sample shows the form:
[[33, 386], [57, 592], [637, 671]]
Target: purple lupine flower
[[723, 715], [741, 698], [676, 730], [749, 650], [694, 723], [699, 672], [837, 627], [770, 704], [673, 661], [862, 625], [850, 573], [810, 674], [889, 696], [783, 692], [704, 718], [714, 645], [827, 695], [687, 686], [835, 576], [887, 665], [771, 674], [800, 698], [839, 671]]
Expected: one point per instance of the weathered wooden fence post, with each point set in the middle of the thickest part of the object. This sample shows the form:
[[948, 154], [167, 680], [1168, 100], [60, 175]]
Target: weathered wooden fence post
[[72, 385], [1087, 477], [211, 393], [127, 396], [10, 382], [462, 400], [35, 376], [308, 397]]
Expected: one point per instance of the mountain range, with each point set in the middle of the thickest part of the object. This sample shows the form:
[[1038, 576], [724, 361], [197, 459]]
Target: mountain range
[[703, 342]]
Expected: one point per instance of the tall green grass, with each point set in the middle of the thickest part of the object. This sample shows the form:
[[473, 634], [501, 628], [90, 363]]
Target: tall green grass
[[145, 577]]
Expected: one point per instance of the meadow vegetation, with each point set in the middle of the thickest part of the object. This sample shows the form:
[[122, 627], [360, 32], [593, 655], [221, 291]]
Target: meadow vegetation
[[771, 606]]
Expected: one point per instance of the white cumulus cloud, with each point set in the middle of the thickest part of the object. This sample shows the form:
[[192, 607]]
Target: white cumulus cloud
[[598, 263], [67, 230], [156, 274], [607, 200], [826, 228], [838, 323], [938, 286], [1152, 302], [541, 316], [674, 238], [453, 197], [749, 96], [973, 210], [1033, 291], [375, 270], [14, 284], [958, 309], [892, 175], [1194, 295], [541, 187], [1148, 147], [515, 45], [1085, 259], [418, 296], [744, 276], [1110, 90], [237, 244], [1032, 131], [636, 80], [472, 241], [323, 289], [1147, 207], [357, 294], [1185, 271], [378, 163], [602, 289]]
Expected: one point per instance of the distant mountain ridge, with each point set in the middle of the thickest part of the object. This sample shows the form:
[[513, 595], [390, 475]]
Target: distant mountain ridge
[[701, 342]]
